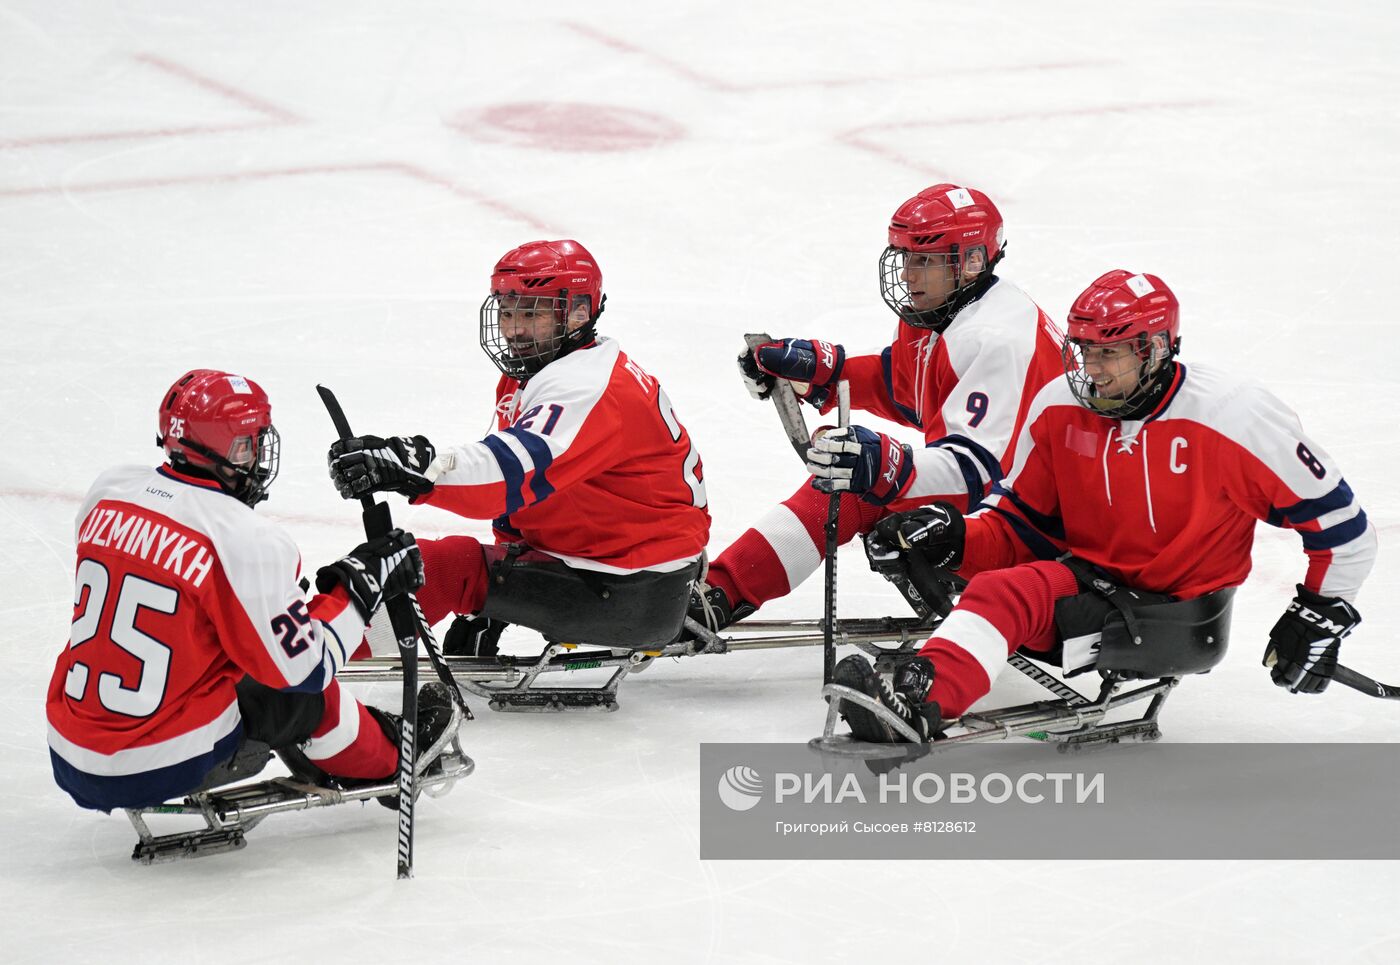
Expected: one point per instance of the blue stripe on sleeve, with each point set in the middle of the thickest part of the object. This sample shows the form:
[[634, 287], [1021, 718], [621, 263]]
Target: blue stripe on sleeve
[[1334, 536], [1307, 510], [886, 368], [1035, 542], [540, 455], [314, 683], [1051, 526], [972, 479], [980, 453], [512, 471]]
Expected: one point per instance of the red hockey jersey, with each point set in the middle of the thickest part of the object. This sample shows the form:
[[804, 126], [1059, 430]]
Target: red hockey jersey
[[181, 590], [588, 464], [1169, 504], [967, 390]]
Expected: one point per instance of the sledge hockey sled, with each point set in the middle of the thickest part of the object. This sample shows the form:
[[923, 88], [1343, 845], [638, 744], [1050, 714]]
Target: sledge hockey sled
[[520, 684], [229, 813], [1143, 663]]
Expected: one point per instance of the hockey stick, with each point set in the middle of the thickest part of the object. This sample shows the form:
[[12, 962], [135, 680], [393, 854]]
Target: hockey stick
[[1359, 681], [833, 523], [785, 401], [405, 624]]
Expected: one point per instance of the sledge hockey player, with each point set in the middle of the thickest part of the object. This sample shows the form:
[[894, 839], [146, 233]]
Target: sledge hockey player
[[969, 353], [1151, 473], [193, 650], [594, 488]]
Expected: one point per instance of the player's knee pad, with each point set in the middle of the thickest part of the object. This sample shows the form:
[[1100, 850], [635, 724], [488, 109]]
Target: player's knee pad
[[247, 761], [632, 610], [278, 718]]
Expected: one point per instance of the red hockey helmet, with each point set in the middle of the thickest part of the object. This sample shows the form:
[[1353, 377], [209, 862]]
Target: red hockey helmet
[[221, 424], [545, 298], [1120, 304], [942, 242], [1122, 331]]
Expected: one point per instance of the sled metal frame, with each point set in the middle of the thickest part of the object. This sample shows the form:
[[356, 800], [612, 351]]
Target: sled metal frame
[[1072, 721], [509, 683], [229, 813]]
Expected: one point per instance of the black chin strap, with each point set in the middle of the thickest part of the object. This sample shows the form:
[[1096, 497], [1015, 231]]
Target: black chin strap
[[578, 338], [1157, 385], [239, 489], [938, 319]]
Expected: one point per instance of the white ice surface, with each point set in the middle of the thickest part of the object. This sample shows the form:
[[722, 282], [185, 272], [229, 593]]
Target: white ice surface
[[308, 192]]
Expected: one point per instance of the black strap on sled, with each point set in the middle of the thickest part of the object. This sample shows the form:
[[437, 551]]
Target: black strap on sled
[[1120, 597]]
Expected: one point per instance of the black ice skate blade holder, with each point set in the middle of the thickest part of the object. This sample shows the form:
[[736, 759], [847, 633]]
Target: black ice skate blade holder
[[1072, 721], [229, 813]]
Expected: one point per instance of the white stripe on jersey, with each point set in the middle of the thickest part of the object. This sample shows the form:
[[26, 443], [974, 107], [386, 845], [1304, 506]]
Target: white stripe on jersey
[[136, 760], [580, 563], [575, 383], [990, 347]]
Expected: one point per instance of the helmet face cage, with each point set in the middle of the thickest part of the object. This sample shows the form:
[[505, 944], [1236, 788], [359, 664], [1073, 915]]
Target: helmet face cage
[[267, 461], [251, 469], [900, 266], [524, 333], [1142, 359]]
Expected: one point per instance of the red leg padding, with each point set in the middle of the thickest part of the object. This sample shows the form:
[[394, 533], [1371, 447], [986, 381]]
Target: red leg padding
[[999, 611], [751, 569], [456, 575], [348, 742]]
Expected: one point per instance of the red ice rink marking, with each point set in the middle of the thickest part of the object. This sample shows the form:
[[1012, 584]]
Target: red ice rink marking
[[272, 115], [709, 82], [230, 177], [857, 137], [556, 126]]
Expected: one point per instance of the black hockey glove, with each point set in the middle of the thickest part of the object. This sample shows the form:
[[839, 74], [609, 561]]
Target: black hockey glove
[[376, 571], [936, 533], [362, 465], [1302, 651]]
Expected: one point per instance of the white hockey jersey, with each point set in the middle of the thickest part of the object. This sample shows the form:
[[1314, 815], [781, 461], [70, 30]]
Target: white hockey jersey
[[181, 590]]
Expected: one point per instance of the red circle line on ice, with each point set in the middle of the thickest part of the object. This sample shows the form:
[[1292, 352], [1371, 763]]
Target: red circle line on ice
[[556, 126]]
